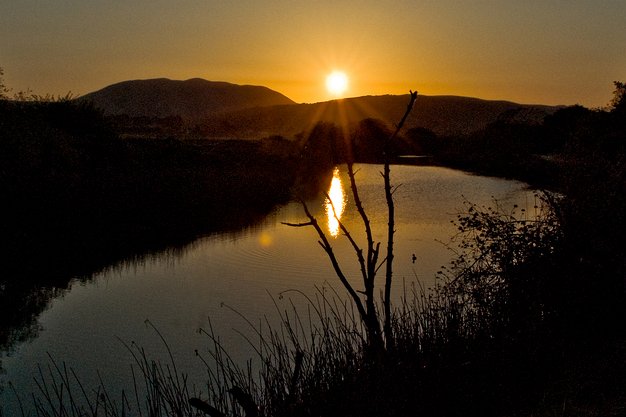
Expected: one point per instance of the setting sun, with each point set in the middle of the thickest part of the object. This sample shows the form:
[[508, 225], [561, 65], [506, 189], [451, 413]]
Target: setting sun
[[337, 83]]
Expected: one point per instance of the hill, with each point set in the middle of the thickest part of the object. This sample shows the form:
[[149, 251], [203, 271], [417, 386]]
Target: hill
[[444, 115], [201, 108], [192, 99]]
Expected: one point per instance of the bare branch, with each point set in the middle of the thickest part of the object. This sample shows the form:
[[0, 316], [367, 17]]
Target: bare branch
[[380, 265], [205, 408], [355, 246], [297, 224], [391, 223], [366, 223], [325, 244]]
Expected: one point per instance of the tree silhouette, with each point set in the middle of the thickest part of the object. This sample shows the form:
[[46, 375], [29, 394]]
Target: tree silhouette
[[4, 90], [379, 332], [618, 103]]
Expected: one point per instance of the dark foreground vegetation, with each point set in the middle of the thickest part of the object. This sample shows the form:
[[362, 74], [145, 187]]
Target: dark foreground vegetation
[[527, 320]]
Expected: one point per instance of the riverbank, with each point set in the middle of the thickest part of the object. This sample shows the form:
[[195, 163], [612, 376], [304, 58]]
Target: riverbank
[[77, 198], [533, 330], [75, 191]]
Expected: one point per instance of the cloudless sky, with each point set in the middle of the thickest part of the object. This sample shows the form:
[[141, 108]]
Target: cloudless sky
[[530, 51]]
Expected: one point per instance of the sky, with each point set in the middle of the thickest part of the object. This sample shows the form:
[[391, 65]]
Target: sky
[[532, 51]]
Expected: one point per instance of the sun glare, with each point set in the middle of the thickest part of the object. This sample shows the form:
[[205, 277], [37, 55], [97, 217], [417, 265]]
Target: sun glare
[[335, 204], [337, 83]]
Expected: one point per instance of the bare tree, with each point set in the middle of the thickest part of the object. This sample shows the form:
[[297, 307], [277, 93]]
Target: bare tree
[[369, 263]]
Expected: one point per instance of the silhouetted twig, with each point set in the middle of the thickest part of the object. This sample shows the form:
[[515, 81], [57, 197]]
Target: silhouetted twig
[[325, 244], [245, 400], [205, 408], [297, 369], [391, 222]]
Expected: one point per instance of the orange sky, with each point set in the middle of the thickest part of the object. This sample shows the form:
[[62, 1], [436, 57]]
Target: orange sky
[[536, 51]]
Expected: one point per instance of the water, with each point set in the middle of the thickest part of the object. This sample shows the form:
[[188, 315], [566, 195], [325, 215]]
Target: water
[[87, 325]]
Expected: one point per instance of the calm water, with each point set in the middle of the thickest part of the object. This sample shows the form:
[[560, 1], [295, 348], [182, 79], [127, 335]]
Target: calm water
[[179, 292]]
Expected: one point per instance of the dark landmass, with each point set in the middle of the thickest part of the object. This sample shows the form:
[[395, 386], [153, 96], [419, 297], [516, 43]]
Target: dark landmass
[[443, 115], [192, 100], [198, 108]]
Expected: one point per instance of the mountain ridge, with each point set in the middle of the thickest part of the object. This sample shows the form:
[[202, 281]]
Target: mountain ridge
[[444, 115], [218, 109], [191, 99]]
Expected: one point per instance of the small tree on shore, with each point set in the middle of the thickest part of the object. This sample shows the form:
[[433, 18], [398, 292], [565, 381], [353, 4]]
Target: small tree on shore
[[618, 102], [379, 332], [4, 90]]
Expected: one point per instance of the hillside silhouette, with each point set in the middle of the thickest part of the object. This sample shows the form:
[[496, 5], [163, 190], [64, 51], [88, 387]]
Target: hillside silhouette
[[201, 108], [443, 115], [191, 99]]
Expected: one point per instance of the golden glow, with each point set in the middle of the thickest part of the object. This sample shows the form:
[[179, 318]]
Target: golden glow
[[265, 240], [337, 83], [338, 201], [291, 47]]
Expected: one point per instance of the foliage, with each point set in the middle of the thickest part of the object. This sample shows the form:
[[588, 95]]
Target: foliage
[[321, 145], [421, 141], [618, 102], [369, 139], [4, 90], [28, 95], [505, 267], [537, 153]]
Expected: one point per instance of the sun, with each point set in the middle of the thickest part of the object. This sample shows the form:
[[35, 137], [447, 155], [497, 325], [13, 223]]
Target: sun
[[337, 83]]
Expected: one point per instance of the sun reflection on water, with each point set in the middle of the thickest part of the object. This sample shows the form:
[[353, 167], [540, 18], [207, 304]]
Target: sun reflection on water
[[338, 200]]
